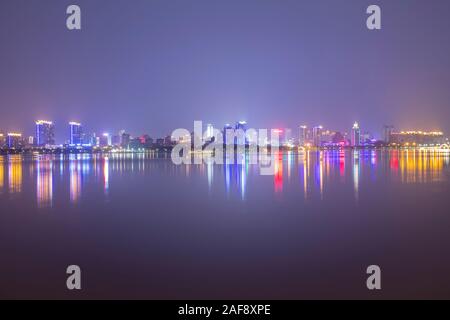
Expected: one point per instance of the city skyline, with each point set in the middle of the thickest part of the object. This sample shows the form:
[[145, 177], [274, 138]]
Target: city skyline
[[316, 136]]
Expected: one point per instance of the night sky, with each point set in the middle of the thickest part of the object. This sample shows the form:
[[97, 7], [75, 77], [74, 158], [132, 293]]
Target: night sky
[[155, 65]]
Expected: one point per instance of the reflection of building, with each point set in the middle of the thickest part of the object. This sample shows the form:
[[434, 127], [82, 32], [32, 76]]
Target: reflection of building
[[417, 137], [356, 135], [168, 140], [76, 133], [75, 180], [14, 140], [317, 136], [44, 133], [387, 131]]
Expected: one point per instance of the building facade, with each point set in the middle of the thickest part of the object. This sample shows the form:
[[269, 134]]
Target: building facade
[[317, 136], [356, 135], [76, 133]]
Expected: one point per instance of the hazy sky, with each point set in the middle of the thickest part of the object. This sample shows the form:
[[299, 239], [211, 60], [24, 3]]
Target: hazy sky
[[155, 65]]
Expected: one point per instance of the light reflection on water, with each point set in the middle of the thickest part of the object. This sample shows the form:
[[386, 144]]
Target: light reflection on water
[[316, 172]]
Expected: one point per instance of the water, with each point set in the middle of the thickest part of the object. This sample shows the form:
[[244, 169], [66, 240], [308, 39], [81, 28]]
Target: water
[[141, 227]]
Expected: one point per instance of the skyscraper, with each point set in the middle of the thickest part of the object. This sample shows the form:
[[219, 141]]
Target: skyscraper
[[14, 140], [45, 134], [76, 133], [387, 132], [303, 135], [209, 132], [356, 135], [2, 140], [287, 137], [317, 136]]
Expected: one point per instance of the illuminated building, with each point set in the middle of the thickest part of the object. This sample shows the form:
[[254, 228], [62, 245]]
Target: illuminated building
[[168, 140], [280, 135], [15, 174], [303, 136], [30, 140], [146, 141], [89, 139], [387, 132], [241, 125], [160, 142], [14, 140], [288, 137], [327, 137], [105, 140], [417, 137], [356, 135], [317, 136], [226, 128], [209, 132], [125, 139], [115, 140], [2, 140], [44, 133], [338, 139], [76, 133]]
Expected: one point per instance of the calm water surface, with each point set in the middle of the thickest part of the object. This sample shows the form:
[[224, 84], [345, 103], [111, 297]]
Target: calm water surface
[[141, 227]]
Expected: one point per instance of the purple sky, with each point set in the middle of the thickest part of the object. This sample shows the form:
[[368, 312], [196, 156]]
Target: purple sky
[[155, 65]]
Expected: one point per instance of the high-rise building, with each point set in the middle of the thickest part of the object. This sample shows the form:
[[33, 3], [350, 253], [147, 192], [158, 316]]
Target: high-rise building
[[209, 132], [89, 139], [317, 136], [105, 140], [226, 128], [240, 125], [418, 137], [387, 132], [356, 135], [45, 134], [76, 133], [303, 136], [287, 139], [14, 140], [115, 140]]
